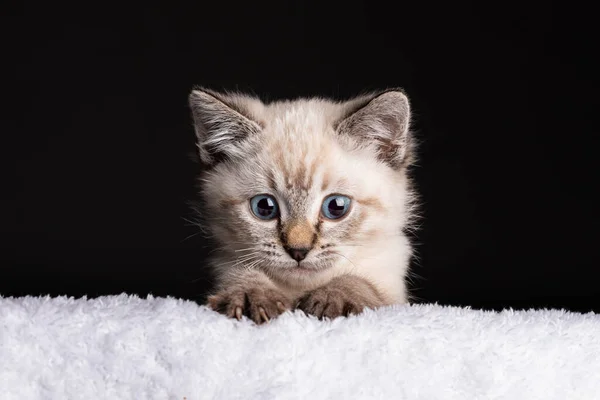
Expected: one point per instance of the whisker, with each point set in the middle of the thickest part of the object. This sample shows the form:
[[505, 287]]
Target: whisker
[[239, 262], [341, 255], [241, 258], [253, 264], [246, 249], [190, 222], [191, 236]]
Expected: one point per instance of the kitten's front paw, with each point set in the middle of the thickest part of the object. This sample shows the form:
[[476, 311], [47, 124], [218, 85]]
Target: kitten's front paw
[[341, 297], [257, 303]]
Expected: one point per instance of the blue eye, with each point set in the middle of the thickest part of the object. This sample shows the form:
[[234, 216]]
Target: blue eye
[[264, 206], [335, 206]]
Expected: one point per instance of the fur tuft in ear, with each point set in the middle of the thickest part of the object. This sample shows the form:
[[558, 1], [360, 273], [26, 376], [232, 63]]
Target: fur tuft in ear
[[222, 123], [382, 121]]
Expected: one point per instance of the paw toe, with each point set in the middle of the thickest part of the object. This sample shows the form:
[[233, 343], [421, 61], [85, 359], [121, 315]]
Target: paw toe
[[352, 309], [238, 313], [332, 310]]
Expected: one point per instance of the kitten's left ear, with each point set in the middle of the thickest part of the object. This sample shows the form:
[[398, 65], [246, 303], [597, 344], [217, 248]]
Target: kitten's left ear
[[380, 120]]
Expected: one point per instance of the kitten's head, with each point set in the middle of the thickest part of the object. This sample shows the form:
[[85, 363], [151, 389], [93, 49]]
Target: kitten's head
[[300, 187]]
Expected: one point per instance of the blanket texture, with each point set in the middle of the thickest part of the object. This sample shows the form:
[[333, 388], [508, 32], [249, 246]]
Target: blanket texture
[[125, 347]]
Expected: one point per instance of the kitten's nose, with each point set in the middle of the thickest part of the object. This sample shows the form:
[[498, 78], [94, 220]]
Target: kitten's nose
[[298, 254]]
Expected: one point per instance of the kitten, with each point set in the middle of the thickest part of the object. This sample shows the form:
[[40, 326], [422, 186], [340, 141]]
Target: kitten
[[309, 200]]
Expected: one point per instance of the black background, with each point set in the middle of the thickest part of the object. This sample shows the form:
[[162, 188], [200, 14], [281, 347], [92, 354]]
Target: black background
[[96, 136]]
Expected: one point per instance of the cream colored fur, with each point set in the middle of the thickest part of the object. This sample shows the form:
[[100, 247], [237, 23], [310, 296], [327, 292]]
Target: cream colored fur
[[300, 151]]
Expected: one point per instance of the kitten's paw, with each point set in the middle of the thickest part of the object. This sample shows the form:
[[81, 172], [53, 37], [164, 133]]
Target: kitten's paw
[[257, 303], [330, 303], [341, 297]]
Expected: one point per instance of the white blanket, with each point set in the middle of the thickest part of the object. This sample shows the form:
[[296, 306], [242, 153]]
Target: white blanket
[[123, 347]]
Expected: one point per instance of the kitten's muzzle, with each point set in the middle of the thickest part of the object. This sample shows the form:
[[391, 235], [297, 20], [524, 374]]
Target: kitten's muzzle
[[297, 253], [297, 238]]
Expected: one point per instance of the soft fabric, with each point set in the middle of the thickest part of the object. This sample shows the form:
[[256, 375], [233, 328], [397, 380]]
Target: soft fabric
[[124, 347]]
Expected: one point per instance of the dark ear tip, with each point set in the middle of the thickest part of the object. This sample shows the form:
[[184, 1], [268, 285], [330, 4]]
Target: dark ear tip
[[202, 93], [198, 92], [199, 88], [395, 89], [396, 94]]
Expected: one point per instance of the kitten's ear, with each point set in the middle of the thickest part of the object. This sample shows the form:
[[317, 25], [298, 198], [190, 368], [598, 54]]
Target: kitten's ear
[[380, 120], [222, 123]]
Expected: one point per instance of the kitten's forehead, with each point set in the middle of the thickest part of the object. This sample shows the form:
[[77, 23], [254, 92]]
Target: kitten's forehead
[[302, 149], [298, 139], [299, 167]]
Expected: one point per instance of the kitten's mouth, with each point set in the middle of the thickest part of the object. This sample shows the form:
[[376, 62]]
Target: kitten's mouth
[[303, 268]]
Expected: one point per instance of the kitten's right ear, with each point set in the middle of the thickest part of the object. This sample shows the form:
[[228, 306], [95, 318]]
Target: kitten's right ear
[[222, 123], [380, 120]]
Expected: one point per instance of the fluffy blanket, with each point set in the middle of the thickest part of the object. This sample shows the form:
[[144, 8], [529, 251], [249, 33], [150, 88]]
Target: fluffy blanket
[[125, 347]]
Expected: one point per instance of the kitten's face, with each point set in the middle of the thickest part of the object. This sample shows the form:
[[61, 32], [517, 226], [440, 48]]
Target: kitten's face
[[297, 196]]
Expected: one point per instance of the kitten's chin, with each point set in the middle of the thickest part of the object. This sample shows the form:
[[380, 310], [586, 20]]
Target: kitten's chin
[[307, 268], [300, 273], [303, 276]]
